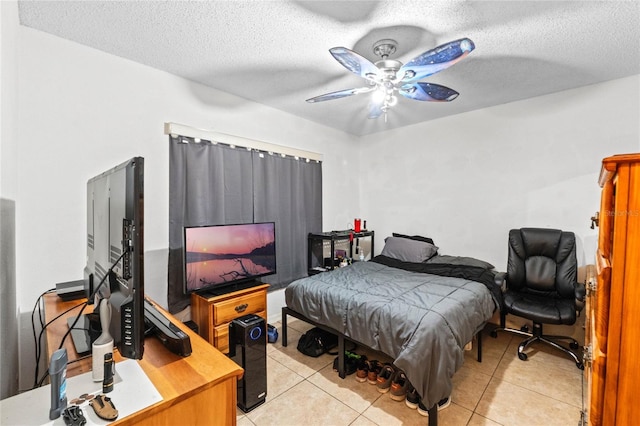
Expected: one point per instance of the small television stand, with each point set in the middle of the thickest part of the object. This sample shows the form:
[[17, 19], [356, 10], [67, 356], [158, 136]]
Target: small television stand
[[212, 313]]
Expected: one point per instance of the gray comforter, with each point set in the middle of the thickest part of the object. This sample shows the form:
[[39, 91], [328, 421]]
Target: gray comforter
[[421, 320]]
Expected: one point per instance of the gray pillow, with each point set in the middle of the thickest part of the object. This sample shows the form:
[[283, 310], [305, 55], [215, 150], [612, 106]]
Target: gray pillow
[[408, 250], [414, 237], [460, 260]]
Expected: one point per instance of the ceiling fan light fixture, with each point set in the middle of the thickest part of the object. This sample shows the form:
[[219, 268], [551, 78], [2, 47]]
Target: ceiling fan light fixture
[[378, 96], [387, 76]]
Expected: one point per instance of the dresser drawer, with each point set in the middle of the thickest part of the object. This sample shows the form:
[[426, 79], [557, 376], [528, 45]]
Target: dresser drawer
[[221, 338], [221, 334], [225, 311], [213, 312]]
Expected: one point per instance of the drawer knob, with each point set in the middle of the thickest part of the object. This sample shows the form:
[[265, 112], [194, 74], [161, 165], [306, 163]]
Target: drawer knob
[[241, 308]]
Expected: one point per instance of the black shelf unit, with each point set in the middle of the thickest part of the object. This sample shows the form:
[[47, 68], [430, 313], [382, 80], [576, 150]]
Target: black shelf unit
[[315, 247]]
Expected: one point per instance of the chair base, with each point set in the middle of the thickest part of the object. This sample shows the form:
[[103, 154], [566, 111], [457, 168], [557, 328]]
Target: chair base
[[537, 336]]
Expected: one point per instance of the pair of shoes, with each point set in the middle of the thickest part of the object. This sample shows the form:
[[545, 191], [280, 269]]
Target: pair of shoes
[[351, 361], [399, 386], [373, 369], [442, 404], [385, 377], [413, 399], [362, 369]]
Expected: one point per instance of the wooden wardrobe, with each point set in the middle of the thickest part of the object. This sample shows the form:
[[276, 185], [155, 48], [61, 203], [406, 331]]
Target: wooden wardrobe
[[613, 303]]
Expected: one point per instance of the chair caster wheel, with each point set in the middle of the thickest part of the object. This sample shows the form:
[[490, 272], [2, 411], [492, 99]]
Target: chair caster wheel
[[573, 345], [524, 328], [580, 365], [493, 334], [522, 356]]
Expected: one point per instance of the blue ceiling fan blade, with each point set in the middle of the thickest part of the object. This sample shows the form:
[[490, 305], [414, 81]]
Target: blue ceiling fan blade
[[340, 94], [435, 60], [428, 92], [355, 63]]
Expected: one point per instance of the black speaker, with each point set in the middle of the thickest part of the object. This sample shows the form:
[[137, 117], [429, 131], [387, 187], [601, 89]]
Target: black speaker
[[248, 348]]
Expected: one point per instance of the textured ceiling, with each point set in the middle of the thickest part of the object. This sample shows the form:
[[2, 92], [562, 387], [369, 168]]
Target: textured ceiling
[[276, 52]]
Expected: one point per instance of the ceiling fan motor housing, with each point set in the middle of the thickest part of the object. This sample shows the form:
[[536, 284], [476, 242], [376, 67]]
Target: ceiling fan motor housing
[[385, 47], [389, 65]]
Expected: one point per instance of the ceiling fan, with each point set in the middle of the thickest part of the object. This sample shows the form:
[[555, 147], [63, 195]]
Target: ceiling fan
[[388, 76]]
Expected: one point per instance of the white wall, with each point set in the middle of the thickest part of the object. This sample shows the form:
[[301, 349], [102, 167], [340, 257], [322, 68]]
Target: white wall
[[466, 180], [8, 133], [82, 111]]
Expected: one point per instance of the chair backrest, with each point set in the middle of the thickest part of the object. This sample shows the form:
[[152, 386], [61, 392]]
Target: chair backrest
[[542, 261]]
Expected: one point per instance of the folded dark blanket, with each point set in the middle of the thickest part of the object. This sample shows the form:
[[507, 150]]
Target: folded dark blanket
[[471, 273]]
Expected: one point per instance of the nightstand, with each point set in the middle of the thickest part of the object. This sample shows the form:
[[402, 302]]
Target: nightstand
[[213, 312]]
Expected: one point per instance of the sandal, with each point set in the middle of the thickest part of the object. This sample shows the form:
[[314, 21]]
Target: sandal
[[104, 408]]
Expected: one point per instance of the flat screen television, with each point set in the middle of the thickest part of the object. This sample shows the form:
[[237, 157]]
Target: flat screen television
[[115, 247], [220, 257]]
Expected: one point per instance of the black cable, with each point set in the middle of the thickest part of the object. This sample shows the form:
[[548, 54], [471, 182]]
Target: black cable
[[95, 291], [59, 315], [40, 310], [37, 383], [79, 359], [39, 343], [46, 373], [71, 327], [36, 342], [84, 305]]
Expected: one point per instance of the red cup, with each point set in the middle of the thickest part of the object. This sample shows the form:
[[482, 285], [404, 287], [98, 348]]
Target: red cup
[[356, 224]]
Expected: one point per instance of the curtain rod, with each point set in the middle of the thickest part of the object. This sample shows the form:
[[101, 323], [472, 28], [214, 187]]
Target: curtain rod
[[182, 130]]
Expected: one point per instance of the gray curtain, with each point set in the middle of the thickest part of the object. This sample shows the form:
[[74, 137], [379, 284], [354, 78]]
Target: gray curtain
[[288, 191], [214, 184]]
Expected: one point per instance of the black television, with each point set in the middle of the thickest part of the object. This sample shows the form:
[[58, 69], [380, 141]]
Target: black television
[[219, 258], [115, 249]]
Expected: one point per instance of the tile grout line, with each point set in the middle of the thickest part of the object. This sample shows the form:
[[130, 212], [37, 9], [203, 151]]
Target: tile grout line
[[333, 397], [532, 390], [492, 377]]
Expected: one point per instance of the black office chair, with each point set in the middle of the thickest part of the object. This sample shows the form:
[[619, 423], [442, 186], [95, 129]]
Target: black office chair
[[541, 285]]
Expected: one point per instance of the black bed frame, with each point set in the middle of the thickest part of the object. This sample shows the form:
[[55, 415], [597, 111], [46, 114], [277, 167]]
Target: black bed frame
[[433, 411]]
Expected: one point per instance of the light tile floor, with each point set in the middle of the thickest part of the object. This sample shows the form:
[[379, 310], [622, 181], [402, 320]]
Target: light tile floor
[[501, 390]]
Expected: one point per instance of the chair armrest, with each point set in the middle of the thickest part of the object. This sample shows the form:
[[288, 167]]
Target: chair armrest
[[581, 293], [500, 280], [499, 289]]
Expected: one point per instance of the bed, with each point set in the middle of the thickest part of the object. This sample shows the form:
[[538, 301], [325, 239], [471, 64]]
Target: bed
[[419, 311]]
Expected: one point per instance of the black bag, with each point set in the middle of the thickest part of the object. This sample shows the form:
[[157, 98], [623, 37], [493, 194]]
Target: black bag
[[316, 341]]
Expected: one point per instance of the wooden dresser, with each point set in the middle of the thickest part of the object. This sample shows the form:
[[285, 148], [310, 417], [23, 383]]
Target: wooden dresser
[[213, 313], [613, 314]]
